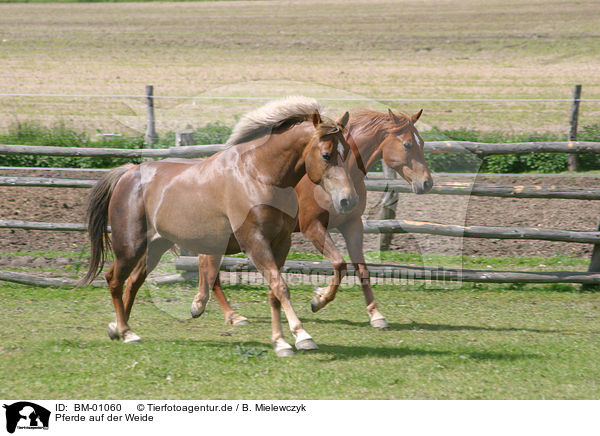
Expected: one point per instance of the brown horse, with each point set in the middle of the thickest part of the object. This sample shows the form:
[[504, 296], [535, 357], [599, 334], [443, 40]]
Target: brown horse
[[390, 137], [241, 199]]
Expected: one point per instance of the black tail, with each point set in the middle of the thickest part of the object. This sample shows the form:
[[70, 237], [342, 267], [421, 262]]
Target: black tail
[[97, 221]]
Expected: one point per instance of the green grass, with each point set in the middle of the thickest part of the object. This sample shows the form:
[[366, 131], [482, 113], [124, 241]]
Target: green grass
[[475, 342], [480, 262]]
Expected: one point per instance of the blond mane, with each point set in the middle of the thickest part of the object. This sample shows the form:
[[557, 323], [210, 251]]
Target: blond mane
[[263, 120]]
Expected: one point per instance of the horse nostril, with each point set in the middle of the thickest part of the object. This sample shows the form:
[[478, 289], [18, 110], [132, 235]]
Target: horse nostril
[[344, 203], [427, 184]]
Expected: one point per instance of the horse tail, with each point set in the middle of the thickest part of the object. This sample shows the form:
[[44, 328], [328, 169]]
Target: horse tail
[[97, 221]]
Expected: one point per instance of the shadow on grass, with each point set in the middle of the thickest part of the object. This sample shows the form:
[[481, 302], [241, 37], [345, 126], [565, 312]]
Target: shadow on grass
[[344, 352], [412, 326], [426, 326], [328, 351], [349, 352], [447, 327]]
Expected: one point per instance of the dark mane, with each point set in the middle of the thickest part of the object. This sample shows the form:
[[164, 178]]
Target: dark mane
[[374, 123]]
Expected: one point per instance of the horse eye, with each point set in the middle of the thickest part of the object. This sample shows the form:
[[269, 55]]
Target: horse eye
[[326, 157], [407, 145]]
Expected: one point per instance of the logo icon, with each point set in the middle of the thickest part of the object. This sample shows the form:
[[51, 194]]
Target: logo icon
[[26, 415]]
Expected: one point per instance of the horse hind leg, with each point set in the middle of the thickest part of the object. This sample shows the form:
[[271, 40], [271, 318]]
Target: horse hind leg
[[144, 266], [116, 276], [231, 317]]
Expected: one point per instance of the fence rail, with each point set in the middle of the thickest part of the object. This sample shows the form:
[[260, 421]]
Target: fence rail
[[194, 151], [394, 226], [46, 182], [388, 226], [489, 190], [236, 265], [376, 185]]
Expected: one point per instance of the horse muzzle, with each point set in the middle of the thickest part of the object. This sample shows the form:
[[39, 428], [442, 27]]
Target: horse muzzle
[[422, 186], [341, 189], [344, 204]]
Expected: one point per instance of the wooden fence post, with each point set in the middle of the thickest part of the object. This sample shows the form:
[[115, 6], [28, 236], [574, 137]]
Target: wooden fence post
[[151, 137], [573, 158], [594, 266], [184, 137], [388, 208]]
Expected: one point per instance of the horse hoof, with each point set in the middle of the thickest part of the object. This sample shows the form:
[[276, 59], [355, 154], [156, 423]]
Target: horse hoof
[[379, 323], [130, 337], [306, 345], [284, 352], [315, 304], [112, 331], [196, 310], [240, 320], [283, 349]]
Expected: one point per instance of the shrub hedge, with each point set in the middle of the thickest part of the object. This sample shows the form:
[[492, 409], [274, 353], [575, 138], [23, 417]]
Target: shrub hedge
[[216, 133]]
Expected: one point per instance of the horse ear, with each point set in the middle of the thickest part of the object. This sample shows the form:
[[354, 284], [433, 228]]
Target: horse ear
[[316, 118], [416, 116], [344, 120], [393, 116]]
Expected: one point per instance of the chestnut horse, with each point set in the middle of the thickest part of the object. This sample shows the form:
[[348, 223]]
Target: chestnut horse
[[241, 199], [390, 137]]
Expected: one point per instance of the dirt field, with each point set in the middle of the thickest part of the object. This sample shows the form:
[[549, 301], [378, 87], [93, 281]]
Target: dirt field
[[335, 48], [68, 205]]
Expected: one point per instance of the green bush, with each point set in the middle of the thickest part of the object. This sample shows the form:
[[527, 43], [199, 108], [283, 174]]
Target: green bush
[[512, 163], [451, 162], [589, 161], [61, 136], [212, 133], [217, 133]]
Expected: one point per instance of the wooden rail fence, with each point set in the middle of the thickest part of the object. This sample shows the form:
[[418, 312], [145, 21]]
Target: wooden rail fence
[[305, 267], [377, 185], [387, 226], [197, 151], [392, 227]]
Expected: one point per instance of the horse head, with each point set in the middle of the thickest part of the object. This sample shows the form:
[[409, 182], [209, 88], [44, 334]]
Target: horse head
[[324, 160], [402, 150]]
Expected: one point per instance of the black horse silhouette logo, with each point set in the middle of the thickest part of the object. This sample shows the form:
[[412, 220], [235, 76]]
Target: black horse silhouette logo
[[26, 414]]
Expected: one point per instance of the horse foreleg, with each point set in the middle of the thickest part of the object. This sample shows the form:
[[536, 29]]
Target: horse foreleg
[[318, 235], [268, 260], [353, 233], [208, 273]]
